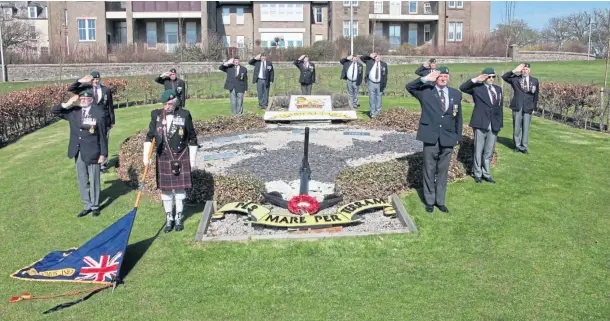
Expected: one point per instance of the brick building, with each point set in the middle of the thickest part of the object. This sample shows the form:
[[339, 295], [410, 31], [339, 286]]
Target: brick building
[[104, 25]]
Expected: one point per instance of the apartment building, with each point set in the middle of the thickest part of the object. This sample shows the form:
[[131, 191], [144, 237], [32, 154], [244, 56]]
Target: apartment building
[[104, 25], [30, 14]]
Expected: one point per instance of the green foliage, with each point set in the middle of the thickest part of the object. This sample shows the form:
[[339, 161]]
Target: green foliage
[[371, 180]]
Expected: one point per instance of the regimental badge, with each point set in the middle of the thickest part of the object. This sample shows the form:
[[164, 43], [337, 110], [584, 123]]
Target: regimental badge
[[158, 118], [91, 130], [455, 109], [181, 132]]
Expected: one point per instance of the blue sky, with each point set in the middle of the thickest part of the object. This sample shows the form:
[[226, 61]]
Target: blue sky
[[538, 13]]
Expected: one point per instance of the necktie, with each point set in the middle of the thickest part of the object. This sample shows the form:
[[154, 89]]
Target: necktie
[[527, 83], [264, 68], [443, 100], [84, 114], [493, 95], [377, 71], [523, 83]]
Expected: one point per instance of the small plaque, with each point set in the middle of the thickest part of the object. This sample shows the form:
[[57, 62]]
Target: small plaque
[[356, 133], [226, 139], [301, 103]]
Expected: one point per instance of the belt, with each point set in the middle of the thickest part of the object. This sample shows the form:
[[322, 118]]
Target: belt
[[378, 82], [352, 80]]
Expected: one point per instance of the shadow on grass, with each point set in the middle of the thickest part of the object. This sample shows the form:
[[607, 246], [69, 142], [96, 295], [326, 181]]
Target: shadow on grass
[[116, 189], [135, 252], [507, 142]]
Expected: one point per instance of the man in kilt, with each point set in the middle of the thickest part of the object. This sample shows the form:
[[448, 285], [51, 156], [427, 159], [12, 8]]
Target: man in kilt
[[173, 132]]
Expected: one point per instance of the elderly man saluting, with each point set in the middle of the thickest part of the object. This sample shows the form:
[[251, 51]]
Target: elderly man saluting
[[352, 72], [169, 80], [264, 75], [308, 74], [377, 79], [236, 83], [440, 129], [486, 121], [88, 145]]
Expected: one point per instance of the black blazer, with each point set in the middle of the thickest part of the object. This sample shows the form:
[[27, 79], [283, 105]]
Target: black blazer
[[308, 76], [484, 111], [434, 125], [239, 82], [180, 135], [346, 65], [423, 71], [90, 142], [178, 85], [526, 99], [105, 100], [370, 63], [269, 73]]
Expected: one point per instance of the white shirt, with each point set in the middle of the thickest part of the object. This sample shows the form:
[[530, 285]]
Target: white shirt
[[169, 118], [474, 80], [373, 72], [86, 110], [236, 70], [352, 71], [99, 93], [261, 73]]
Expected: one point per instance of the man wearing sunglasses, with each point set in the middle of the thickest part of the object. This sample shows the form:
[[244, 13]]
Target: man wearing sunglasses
[[486, 120]]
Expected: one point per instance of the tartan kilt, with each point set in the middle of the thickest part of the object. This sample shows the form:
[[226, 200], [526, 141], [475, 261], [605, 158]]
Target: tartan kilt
[[168, 181]]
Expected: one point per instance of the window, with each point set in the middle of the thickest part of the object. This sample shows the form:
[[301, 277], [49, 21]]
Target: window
[[319, 38], [226, 16], [227, 41], [240, 41], [346, 24], [191, 33], [451, 4], [455, 31], [86, 29], [264, 44], [427, 7], [395, 8], [32, 32], [7, 12], [151, 35], [378, 7], [32, 12], [413, 34], [171, 36], [284, 39], [412, 6], [346, 3], [240, 16], [317, 15], [299, 43], [394, 36], [44, 50], [460, 4], [281, 12], [427, 33], [379, 29]]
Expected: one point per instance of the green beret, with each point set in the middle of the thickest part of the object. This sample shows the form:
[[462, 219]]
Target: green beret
[[432, 60], [262, 53], [443, 70], [168, 95], [86, 93], [173, 70], [95, 74], [235, 57], [489, 71], [526, 65]]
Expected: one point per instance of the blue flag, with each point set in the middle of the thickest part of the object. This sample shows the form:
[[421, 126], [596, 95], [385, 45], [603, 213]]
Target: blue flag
[[97, 261]]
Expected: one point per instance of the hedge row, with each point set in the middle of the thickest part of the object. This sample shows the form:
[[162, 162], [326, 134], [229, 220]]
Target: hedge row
[[24, 111], [580, 103]]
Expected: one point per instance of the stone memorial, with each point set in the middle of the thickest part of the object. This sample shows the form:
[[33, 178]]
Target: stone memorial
[[310, 108]]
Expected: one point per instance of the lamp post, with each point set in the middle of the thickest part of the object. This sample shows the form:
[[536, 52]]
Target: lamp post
[[351, 26], [2, 44]]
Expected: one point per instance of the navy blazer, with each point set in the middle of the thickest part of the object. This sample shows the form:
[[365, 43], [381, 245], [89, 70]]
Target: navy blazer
[[484, 111], [434, 125], [523, 98], [346, 65], [423, 71], [269, 73], [308, 76], [90, 140], [239, 82], [178, 85]]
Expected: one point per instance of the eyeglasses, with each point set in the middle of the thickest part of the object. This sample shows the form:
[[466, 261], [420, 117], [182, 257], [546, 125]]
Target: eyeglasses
[[493, 77]]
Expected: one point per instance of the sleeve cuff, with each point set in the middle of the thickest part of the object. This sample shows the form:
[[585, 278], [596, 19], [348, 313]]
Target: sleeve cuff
[[474, 80]]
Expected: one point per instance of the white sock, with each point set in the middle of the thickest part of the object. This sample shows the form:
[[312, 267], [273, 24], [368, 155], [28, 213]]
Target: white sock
[[180, 196], [167, 197]]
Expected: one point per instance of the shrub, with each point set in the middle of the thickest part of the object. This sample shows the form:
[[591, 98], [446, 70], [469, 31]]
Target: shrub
[[26, 110], [374, 180], [398, 119], [340, 100], [227, 124], [580, 101]]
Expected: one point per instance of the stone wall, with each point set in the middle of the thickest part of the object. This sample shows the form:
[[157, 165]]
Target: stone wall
[[39, 72]]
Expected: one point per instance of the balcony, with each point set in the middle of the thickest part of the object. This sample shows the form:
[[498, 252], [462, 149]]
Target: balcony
[[166, 9], [403, 10]]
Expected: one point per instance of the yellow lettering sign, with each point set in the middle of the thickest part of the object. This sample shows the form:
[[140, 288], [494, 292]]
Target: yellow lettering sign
[[51, 274], [354, 208], [241, 207], [310, 113], [287, 220]]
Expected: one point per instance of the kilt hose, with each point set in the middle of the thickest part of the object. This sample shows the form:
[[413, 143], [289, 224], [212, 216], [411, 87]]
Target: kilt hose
[[168, 181]]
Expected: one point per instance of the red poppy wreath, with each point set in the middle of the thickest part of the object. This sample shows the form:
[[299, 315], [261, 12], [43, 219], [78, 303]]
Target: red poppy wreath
[[303, 203]]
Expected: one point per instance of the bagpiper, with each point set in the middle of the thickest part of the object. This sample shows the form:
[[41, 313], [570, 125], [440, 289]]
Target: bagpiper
[[173, 132]]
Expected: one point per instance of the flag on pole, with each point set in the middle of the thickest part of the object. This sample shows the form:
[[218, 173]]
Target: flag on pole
[[97, 261]]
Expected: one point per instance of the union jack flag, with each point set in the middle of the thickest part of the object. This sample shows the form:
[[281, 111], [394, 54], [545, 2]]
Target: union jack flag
[[99, 271]]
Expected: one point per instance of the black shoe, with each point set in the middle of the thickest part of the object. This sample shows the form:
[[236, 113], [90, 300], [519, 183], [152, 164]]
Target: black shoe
[[489, 179], [179, 227], [516, 150], [83, 213], [429, 208], [525, 151], [477, 179], [168, 228], [104, 170], [443, 208], [96, 212]]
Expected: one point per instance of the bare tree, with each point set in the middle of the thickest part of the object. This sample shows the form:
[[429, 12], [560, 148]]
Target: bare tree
[[509, 13], [18, 34], [600, 34], [557, 32]]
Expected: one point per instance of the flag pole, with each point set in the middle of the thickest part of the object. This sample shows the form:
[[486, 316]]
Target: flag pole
[[141, 184]]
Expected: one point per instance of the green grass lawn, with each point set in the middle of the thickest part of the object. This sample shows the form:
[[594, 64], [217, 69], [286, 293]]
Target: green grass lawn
[[534, 246], [327, 78]]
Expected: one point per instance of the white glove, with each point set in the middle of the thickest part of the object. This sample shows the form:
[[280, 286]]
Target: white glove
[[192, 155], [146, 151]]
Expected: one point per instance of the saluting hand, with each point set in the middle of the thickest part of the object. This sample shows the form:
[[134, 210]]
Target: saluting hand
[[432, 76], [518, 69], [426, 64], [70, 102], [302, 57], [258, 57], [482, 77], [85, 80], [165, 74]]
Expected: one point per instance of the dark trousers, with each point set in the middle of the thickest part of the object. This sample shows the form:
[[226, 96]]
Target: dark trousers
[[306, 89], [436, 166], [104, 165]]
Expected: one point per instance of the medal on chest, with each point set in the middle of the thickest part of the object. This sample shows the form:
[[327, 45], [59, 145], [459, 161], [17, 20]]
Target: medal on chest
[[181, 132], [455, 108], [91, 130]]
